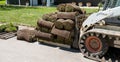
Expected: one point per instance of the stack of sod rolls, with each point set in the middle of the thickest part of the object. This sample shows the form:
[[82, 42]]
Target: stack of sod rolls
[[45, 26], [58, 27]]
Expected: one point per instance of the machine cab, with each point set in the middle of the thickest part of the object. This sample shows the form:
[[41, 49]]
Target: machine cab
[[111, 4]]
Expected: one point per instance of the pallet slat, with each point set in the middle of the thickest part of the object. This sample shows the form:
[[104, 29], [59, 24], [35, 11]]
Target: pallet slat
[[5, 35]]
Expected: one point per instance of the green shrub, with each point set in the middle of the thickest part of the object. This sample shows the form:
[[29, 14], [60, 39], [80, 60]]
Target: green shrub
[[10, 25], [2, 2], [2, 28], [10, 29]]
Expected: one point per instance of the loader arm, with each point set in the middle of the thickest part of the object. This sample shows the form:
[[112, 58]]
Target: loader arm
[[97, 17]]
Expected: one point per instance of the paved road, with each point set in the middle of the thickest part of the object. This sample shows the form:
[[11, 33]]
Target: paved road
[[13, 50]]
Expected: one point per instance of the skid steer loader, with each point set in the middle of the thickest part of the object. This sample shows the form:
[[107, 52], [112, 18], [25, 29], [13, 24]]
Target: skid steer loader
[[100, 31]]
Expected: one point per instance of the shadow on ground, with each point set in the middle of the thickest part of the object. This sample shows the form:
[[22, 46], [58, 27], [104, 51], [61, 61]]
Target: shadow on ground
[[62, 48], [113, 53]]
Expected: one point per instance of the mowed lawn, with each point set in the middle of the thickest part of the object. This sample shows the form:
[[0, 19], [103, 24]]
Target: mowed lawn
[[91, 10], [23, 15], [27, 15], [2, 2]]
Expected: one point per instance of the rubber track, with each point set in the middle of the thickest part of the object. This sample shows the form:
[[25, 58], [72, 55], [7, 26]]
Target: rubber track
[[113, 54]]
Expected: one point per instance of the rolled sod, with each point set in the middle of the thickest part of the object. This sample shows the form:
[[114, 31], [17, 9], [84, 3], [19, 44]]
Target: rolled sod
[[43, 35], [61, 33], [67, 15], [69, 8], [27, 35], [43, 23], [52, 17], [64, 24], [61, 7], [68, 41], [46, 30], [59, 40], [59, 24], [68, 25]]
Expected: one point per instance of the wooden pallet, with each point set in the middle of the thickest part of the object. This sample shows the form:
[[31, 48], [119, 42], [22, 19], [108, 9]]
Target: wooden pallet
[[5, 35]]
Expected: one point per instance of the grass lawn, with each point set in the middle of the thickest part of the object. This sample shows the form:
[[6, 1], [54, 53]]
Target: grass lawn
[[26, 15], [2, 2], [91, 10]]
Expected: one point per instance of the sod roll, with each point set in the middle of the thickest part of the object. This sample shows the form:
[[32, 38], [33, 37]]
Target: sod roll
[[68, 25], [59, 40], [27, 35], [59, 24], [52, 17], [43, 29], [61, 7], [42, 35], [68, 41], [38, 28], [61, 33], [69, 8], [46, 30], [67, 15], [43, 23]]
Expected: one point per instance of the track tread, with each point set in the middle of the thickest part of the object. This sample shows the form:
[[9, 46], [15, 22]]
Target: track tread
[[103, 59]]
